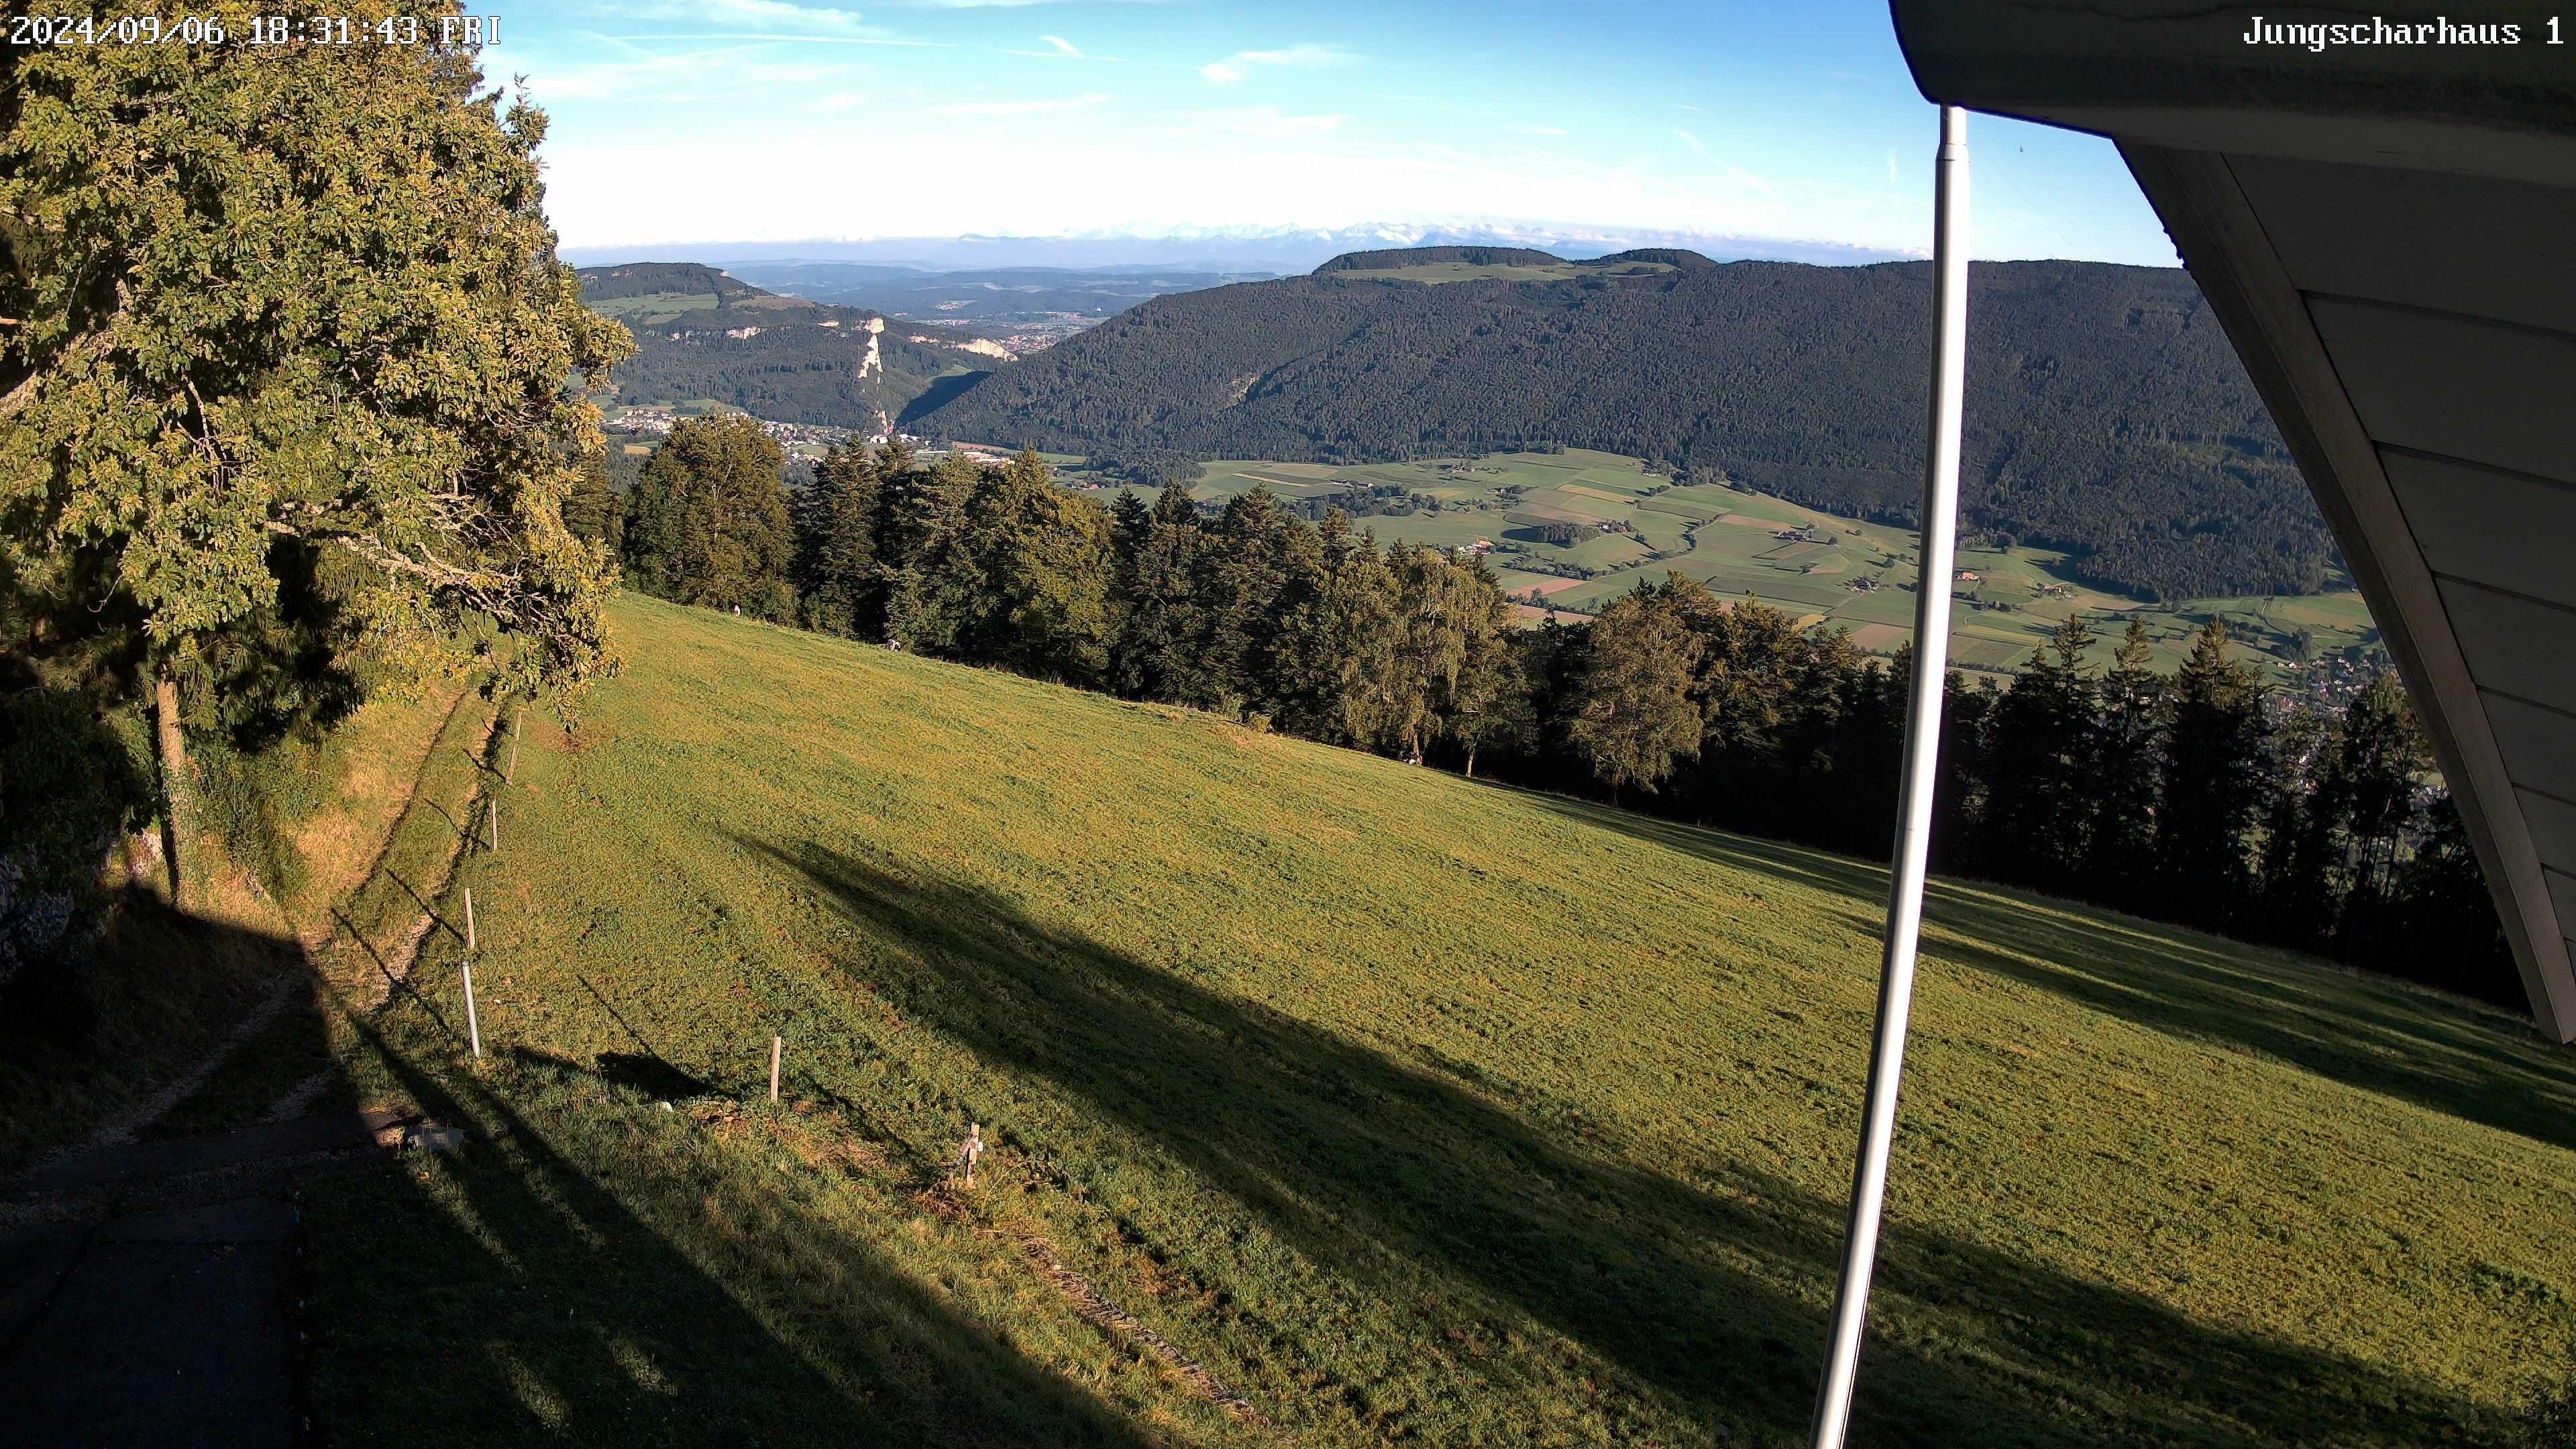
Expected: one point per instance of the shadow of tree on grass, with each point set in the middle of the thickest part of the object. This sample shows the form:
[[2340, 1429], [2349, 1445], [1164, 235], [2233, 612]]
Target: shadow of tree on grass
[[2445, 1054], [1380, 1171], [510, 1292]]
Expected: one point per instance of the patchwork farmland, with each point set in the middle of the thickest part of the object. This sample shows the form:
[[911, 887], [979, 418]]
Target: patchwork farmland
[[1571, 531]]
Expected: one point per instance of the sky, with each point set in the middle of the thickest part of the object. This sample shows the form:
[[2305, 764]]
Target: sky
[[786, 120]]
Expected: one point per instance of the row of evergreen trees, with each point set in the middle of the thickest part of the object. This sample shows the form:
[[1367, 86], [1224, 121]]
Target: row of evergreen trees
[[2191, 797], [2187, 797]]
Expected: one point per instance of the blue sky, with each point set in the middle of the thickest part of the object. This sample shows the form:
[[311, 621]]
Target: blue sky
[[773, 120]]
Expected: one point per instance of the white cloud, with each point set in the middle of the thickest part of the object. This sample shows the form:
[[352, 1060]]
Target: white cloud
[[1060, 43], [1250, 166], [679, 76], [762, 15], [1684, 106], [1262, 123], [1017, 108], [1239, 66]]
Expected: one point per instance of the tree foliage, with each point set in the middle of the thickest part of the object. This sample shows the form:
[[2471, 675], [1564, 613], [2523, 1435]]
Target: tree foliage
[[709, 522], [285, 375]]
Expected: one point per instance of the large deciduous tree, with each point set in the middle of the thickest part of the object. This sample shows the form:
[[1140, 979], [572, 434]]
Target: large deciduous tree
[[1638, 715], [709, 521], [285, 366]]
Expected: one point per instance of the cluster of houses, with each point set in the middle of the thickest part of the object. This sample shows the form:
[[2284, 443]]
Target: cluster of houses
[[657, 422]]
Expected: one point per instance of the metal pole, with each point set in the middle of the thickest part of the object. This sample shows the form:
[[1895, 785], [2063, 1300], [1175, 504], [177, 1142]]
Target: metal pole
[[473, 1028], [1922, 750]]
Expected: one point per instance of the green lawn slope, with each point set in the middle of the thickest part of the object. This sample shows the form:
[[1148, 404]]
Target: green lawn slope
[[1395, 1107]]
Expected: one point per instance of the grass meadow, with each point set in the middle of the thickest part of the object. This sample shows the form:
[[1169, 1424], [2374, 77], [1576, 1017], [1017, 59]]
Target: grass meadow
[[1402, 1108]]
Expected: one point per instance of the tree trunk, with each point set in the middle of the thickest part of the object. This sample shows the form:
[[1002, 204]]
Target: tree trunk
[[1471, 759], [177, 784]]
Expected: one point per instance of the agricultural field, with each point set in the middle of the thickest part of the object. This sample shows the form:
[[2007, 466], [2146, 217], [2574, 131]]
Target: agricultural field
[[655, 307], [1838, 573], [1334, 1101]]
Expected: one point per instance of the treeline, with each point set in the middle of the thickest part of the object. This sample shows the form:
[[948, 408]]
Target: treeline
[[2188, 798], [2192, 797], [2107, 415]]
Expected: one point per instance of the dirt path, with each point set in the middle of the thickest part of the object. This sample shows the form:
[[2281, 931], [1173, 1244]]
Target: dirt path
[[148, 1289]]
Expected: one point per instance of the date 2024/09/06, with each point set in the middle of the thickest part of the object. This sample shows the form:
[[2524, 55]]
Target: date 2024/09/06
[[78, 30]]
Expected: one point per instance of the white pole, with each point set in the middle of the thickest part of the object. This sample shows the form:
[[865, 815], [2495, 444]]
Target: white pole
[[1922, 750], [473, 1029]]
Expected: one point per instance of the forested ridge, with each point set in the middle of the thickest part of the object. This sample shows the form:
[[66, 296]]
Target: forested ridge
[[2107, 414], [781, 358], [653, 279], [2185, 797]]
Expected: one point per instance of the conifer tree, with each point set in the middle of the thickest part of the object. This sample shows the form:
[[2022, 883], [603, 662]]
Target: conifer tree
[[2213, 788], [2128, 770], [2303, 819], [1154, 654], [933, 573], [2041, 794], [836, 545], [1238, 581], [1340, 692], [592, 509], [2444, 928], [2380, 761], [1042, 564]]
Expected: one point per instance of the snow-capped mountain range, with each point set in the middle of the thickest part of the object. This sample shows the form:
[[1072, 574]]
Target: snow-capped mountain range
[[1233, 248]]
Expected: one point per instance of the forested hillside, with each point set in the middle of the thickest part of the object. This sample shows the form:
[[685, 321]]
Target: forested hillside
[[656, 279], [2107, 414], [702, 334]]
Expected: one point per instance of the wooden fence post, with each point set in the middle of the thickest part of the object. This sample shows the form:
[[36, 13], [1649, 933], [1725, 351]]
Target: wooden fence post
[[776, 1046]]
